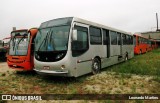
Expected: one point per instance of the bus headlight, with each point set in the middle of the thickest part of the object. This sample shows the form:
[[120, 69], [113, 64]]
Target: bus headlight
[[37, 56], [59, 56]]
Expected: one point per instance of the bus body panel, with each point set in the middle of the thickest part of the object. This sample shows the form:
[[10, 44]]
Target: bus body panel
[[115, 50], [19, 63], [56, 66], [85, 64]]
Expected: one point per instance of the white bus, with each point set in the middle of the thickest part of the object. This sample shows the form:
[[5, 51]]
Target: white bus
[[73, 47]]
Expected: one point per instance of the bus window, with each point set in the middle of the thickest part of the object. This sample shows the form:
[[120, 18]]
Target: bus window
[[113, 38], [119, 38], [80, 45], [106, 40], [134, 40], [95, 35], [131, 40]]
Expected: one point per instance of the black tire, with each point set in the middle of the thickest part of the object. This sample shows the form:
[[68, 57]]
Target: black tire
[[96, 66]]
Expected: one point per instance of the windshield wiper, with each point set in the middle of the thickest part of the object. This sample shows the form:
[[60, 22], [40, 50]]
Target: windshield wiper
[[49, 41], [13, 42], [43, 41], [21, 39]]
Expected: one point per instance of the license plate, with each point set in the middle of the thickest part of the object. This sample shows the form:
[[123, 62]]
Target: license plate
[[46, 67]]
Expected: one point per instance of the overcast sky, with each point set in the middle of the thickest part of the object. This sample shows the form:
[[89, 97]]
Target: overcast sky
[[128, 15]]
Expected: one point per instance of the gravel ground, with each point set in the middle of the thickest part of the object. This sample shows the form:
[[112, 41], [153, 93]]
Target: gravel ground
[[4, 68]]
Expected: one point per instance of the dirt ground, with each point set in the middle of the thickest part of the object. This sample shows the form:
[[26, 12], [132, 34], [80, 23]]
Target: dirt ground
[[4, 68]]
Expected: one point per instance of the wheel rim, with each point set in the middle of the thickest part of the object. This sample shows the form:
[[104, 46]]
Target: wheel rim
[[96, 66], [126, 58]]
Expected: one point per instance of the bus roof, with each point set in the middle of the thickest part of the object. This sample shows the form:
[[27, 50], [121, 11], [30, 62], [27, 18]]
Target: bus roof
[[99, 25], [76, 19], [140, 36], [20, 30]]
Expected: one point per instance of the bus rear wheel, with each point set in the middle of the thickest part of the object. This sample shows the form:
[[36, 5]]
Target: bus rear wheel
[[96, 66]]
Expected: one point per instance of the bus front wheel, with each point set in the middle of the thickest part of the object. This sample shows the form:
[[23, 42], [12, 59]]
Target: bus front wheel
[[96, 66]]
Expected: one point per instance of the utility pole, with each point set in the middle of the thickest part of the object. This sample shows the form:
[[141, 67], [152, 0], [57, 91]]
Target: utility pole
[[157, 21]]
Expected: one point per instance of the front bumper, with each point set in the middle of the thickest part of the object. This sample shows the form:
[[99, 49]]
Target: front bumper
[[53, 73]]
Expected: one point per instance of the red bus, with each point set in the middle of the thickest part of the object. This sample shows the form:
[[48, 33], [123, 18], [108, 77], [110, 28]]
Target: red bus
[[142, 44], [21, 49]]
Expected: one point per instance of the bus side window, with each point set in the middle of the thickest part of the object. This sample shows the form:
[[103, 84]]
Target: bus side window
[[124, 39], [119, 38], [80, 45], [106, 40], [113, 38], [95, 36]]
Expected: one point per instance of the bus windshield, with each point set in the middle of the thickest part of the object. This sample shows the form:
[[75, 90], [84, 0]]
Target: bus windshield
[[53, 35], [134, 40], [52, 38], [19, 43]]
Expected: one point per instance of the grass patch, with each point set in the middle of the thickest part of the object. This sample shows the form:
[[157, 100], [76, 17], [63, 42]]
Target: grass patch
[[157, 78], [146, 64]]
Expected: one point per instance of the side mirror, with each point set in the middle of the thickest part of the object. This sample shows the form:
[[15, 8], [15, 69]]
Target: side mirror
[[74, 35]]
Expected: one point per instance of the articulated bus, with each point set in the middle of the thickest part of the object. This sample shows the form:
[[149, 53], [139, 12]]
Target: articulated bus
[[73, 47], [142, 44], [21, 49]]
